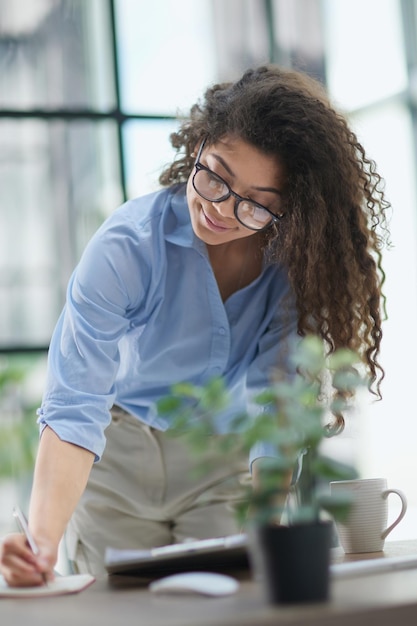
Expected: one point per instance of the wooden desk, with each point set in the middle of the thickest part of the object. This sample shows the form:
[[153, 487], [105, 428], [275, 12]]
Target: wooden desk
[[383, 598]]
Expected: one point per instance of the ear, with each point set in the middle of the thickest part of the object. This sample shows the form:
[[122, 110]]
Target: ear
[[196, 149], [198, 146]]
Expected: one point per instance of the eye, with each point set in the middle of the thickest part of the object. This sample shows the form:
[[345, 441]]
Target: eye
[[259, 213], [216, 183], [275, 205], [254, 212]]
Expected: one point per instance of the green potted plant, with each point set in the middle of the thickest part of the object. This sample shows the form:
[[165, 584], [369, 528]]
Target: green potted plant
[[293, 417], [18, 430]]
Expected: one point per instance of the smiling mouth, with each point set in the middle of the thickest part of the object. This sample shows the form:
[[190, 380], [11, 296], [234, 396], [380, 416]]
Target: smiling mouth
[[214, 225]]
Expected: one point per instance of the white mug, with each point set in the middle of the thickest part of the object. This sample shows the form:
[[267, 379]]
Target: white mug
[[365, 528]]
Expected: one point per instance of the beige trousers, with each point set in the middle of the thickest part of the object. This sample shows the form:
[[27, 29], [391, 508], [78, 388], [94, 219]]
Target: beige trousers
[[144, 493]]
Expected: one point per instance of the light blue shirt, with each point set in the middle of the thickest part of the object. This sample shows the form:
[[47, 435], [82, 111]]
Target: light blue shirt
[[143, 312]]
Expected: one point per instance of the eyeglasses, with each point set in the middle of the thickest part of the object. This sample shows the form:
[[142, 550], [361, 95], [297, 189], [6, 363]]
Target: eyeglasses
[[212, 187]]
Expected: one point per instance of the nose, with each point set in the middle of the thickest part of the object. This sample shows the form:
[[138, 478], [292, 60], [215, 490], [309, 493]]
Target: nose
[[225, 208]]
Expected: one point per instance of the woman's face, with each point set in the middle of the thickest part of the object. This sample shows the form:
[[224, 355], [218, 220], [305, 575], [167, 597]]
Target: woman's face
[[250, 173]]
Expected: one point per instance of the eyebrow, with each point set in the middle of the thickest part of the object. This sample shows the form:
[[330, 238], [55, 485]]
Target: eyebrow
[[227, 168]]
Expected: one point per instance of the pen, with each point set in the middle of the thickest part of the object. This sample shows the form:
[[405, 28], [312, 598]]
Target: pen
[[24, 528]]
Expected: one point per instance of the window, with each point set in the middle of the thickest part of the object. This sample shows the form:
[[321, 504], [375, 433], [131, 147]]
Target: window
[[60, 166], [89, 93]]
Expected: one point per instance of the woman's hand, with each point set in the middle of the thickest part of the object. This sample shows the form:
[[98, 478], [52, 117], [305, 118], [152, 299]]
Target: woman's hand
[[61, 473], [20, 567]]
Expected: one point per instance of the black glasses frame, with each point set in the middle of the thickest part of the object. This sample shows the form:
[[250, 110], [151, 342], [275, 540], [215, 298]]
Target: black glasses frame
[[238, 199]]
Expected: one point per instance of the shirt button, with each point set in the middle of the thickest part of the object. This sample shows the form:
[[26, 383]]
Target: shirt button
[[222, 331]]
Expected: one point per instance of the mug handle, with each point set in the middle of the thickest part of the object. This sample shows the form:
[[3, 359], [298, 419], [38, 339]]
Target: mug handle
[[403, 499]]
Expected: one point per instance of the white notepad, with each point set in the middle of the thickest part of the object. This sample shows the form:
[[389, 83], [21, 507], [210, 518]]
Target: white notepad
[[62, 585]]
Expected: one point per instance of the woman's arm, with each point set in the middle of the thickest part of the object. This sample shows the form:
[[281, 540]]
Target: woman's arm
[[60, 476]]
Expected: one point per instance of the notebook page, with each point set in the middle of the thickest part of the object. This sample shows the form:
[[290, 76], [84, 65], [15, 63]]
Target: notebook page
[[62, 585]]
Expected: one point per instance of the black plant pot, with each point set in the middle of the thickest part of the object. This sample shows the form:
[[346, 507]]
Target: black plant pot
[[293, 562]]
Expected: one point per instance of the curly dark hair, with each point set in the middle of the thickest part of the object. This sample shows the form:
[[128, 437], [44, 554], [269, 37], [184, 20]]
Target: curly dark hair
[[335, 220]]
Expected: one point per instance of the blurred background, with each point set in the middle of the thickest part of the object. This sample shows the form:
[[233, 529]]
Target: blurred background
[[89, 93]]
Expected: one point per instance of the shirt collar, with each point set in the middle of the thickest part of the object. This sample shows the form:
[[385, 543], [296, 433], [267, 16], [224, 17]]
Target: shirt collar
[[182, 233]]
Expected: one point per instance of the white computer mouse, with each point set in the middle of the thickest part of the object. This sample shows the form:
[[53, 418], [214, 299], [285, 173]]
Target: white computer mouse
[[205, 583]]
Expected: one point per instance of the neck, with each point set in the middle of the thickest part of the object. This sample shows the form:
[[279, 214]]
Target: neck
[[235, 264], [238, 248]]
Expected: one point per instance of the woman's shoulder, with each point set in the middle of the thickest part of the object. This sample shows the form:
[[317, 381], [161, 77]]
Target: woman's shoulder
[[136, 230], [127, 244]]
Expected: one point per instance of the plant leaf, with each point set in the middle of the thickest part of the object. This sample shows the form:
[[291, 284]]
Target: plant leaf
[[329, 469], [339, 506]]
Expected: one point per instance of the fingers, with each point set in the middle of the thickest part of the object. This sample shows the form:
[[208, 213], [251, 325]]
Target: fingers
[[20, 567]]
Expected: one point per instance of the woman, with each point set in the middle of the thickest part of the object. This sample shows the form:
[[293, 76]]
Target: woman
[[269, 224]]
